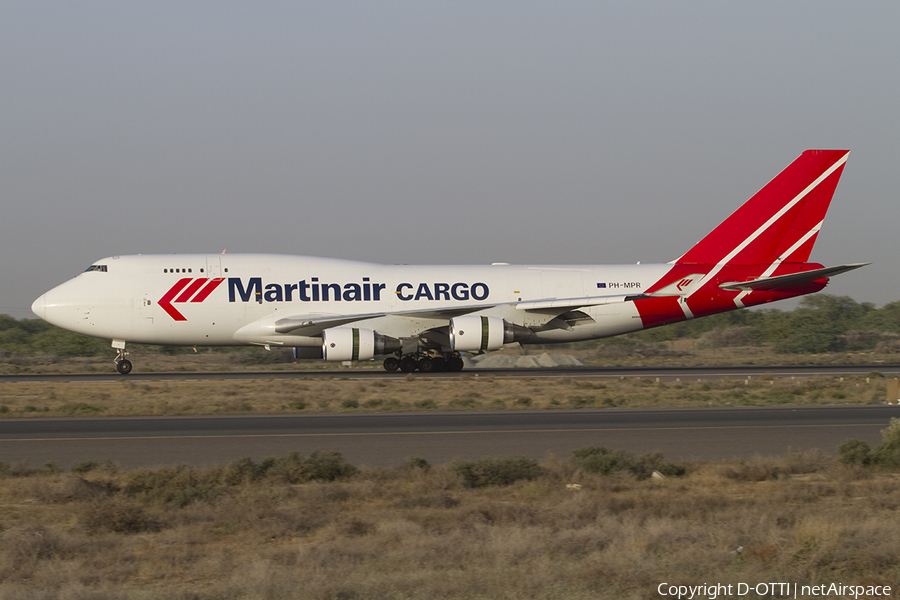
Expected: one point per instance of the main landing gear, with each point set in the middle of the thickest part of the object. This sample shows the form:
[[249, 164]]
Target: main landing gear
[[425, 363]]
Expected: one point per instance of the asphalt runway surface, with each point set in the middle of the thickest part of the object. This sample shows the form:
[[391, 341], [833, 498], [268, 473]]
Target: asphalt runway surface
[[391, 438]]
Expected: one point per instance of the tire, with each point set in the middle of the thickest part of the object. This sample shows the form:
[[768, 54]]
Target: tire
[[455, 364], [426, 365], [407, 364], [124, 366], [391, 364]]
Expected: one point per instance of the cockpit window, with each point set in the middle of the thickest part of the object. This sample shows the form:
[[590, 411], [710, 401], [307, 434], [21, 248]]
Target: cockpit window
[[96, 268]]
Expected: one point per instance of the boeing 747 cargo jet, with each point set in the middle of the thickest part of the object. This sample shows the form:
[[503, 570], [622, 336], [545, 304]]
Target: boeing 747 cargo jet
[[423, 317]]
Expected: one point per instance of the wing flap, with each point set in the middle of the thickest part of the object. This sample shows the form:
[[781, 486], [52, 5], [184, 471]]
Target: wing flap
[[558, 303]]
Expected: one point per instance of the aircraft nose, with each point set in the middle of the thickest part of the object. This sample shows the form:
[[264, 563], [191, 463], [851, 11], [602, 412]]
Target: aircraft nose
[[39, 307]]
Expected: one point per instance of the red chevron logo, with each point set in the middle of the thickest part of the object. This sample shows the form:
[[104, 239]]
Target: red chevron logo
[[187, 289], [683, 284]]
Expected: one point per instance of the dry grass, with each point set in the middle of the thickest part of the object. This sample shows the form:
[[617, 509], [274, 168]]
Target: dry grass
[[418, 532], [465, 392]]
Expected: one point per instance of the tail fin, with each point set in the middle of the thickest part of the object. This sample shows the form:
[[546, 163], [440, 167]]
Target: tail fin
[[781, 221]]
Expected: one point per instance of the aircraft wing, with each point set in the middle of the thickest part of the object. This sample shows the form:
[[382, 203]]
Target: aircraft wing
[[312, 325], [782, 281]]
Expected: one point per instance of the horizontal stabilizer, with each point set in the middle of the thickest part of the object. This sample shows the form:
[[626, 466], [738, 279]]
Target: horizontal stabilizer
[[783, 281]]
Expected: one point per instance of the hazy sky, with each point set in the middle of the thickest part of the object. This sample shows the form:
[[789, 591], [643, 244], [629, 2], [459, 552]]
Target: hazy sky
[[457, 132]]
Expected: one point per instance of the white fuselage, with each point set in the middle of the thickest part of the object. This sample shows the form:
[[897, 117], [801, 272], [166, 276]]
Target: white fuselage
[[236, 299]]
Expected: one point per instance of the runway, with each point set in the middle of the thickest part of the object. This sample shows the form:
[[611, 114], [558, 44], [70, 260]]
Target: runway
[[664, 373], [390, 438]]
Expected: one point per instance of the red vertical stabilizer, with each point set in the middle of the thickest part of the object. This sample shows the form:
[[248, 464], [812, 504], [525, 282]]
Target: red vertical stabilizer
[[781, 221]]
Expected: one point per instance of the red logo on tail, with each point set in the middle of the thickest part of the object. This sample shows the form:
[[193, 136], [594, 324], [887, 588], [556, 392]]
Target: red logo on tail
[[683, 284], [185, 291]]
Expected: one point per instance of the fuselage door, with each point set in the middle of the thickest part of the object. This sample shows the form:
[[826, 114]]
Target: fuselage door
[[213, 266], [146, 299]]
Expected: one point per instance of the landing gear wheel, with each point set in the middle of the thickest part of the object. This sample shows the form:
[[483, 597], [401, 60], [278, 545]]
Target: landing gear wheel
[[440, 364], [124, 366], [455, 364], [391, 364], [408, 364], [426, 365]]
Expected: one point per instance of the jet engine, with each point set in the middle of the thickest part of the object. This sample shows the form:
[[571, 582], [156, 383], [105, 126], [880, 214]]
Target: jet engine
[[473, 333], [350, 343]]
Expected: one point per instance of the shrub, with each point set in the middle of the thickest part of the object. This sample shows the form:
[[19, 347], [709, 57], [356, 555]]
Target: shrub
[[463, 403], [726, 337], [868, 340], [605, 461], [581, 401], [117, 514], [84, 466], [496, 471], [602, 460], [888, 347], [180, 485], [855, 452], [763, 468], [293, 468], [328, 466], [244, 470], [417, 462], [887, 454]]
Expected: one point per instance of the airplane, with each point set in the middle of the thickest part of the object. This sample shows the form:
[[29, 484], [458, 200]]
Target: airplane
[[425, 317]]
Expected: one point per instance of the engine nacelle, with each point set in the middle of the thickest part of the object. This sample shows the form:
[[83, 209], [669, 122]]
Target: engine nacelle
[[350, 343], [473, 333]]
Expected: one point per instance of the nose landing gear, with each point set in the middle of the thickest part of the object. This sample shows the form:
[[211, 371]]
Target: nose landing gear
[[123, 365]]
